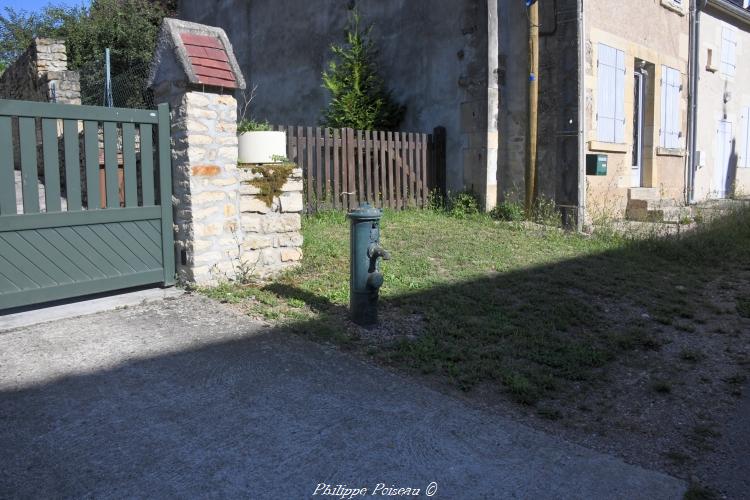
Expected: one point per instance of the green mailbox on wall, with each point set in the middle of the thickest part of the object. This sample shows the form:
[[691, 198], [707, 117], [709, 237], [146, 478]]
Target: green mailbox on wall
[[596, 164]]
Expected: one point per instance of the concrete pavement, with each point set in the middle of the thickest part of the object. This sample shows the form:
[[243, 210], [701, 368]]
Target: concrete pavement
[[184, 398]]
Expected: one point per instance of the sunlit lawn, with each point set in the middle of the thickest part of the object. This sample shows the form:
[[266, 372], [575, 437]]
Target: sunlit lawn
[[527, 307]]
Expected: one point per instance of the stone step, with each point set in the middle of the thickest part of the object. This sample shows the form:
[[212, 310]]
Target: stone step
[[672, 214], [644, 194], [653, 204]]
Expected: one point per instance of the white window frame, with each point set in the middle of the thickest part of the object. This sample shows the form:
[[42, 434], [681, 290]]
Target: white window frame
[[728, 64], [670, 128], [610, 104]]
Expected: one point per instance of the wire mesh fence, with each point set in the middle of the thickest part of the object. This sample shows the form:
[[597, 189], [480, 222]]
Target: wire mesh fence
[[129, 87]]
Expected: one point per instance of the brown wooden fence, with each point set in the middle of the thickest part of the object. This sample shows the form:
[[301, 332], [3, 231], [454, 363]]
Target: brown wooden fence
[[346, 167]]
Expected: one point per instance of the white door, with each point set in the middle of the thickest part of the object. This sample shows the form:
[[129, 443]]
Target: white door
[[723, 157], [636, 168]]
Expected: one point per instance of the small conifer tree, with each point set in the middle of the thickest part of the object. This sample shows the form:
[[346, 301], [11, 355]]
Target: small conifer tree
[[359, 98]]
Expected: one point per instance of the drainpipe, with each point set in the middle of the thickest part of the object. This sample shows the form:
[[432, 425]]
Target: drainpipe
[[693, 77], [581, 115]]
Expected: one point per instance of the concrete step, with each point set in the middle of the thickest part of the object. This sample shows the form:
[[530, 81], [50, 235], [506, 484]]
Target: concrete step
[[661, 211], [644, 194], [653, 204], [713, 209]]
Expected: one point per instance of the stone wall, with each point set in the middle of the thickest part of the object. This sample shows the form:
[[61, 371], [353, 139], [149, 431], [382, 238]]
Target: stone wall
[[223, 231], [434, 57], [272, 240], [41, 74]]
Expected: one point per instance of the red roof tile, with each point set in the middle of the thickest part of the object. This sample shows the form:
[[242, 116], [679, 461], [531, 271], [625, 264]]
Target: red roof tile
[[201, 40], [209, 60]]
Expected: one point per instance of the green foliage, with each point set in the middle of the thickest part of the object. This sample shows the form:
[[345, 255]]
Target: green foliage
[[545, 212], [509, 211], [459, 205], [462, 205], [359, 98], [19, 27], [272, 179], [127, 27], [253, 126]]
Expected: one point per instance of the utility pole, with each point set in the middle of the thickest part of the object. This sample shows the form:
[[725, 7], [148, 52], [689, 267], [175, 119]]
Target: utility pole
[[531, 157]]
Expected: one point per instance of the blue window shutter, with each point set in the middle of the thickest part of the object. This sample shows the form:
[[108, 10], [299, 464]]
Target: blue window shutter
[[670, 127], [728, 51], [610, 94], [675, 128], [663, 126]]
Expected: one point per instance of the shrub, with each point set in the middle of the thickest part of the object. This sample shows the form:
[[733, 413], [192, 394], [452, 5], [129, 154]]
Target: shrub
[[359, 98], [508, 211], [545, 212], [253, 126], [462, 204]]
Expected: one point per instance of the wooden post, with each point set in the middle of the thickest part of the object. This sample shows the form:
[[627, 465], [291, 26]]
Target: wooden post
[[533, 106]]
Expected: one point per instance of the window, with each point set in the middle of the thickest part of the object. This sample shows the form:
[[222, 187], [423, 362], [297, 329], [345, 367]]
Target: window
[[744, 140], [675, 5], [728, 52], [670, 133], [610, 104]]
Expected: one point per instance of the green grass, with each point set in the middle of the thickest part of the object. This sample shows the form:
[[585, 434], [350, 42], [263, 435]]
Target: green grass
[[529, 310]]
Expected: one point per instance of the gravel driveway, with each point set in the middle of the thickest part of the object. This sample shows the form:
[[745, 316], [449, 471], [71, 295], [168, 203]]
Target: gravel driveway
[[184, 398]]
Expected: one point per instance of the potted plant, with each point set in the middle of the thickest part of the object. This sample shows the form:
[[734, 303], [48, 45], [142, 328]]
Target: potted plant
[[259, 143]]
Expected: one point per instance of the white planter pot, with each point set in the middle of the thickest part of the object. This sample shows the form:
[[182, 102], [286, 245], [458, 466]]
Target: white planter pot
[[261, 147]]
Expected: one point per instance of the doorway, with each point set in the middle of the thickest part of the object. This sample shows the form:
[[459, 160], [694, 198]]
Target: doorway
[[723, 158], [639, 91]]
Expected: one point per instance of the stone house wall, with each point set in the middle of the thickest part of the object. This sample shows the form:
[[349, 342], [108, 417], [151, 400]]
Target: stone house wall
[[41, 74], [723, 98], [434, 56], [655, 34]]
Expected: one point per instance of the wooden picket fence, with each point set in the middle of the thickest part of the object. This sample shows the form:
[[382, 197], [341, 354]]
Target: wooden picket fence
[[343, 168]]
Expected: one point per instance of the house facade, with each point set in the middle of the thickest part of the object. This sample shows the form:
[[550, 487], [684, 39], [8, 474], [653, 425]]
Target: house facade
[[722, 162], [635, 81], [617, 85]]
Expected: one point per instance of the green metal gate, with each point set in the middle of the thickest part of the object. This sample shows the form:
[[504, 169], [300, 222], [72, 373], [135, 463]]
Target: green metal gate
[[85, 200]]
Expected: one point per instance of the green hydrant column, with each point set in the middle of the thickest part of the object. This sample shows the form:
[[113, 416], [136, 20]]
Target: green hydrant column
[[365, 278]]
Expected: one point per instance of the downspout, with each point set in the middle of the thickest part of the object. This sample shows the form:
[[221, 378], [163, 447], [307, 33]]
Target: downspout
[[693, 78], [581, 116]]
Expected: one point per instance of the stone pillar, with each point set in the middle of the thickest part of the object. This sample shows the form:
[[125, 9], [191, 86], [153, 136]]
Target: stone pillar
[[206, 183], [41, 74], [223, 230]]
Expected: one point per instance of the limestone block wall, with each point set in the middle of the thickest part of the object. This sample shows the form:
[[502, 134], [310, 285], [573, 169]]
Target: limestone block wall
[[41, 74], [272, 239], [223, 230]]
